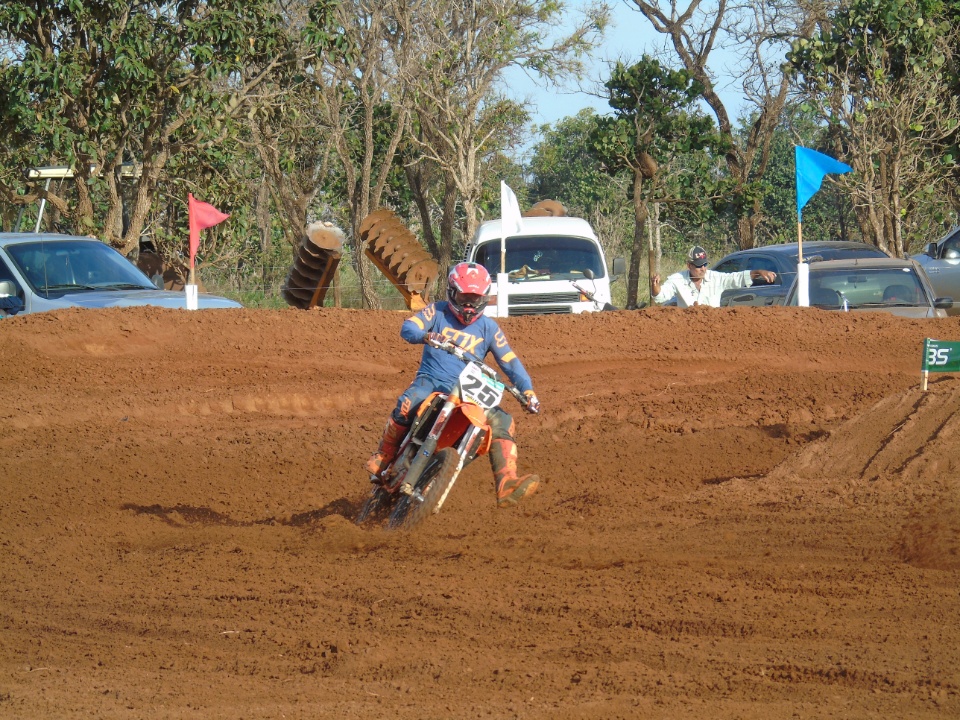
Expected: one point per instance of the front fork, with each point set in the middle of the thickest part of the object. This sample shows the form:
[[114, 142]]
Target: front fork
[[429, 445]]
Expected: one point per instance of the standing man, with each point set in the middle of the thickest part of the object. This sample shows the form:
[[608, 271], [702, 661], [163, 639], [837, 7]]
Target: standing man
[[698, 286]]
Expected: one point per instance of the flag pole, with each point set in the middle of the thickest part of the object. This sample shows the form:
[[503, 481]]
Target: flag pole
[[503, 280], [810, 168], [201, 216], [799, 239], [803, 270]]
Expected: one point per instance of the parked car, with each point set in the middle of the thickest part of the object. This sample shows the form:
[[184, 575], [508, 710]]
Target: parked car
[[941, 262], [893, 285], [48, 271], [782, 259]]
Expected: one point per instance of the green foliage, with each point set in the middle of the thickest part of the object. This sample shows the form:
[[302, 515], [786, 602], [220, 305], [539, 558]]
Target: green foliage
[[563, 168], [907, 30], [100, 83], [883, 75], [828, 215], [655, 116]]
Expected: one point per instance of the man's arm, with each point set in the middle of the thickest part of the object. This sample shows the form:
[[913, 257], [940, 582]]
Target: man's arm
[[768, 276], [743, 278], [662, 293], [509, 362], [416, 328]]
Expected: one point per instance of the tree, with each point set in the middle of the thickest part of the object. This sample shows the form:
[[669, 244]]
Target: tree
[[286, 127], [361, 98], [93, 85], [654, 123], [754, 31], [563, 167], [828, 215], [462, 119], [879, 76]]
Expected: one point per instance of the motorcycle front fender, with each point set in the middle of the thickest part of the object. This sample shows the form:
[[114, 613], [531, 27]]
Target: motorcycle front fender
[[462, 417]]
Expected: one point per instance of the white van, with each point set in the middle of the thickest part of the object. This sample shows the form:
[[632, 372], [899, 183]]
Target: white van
[[555, 265]]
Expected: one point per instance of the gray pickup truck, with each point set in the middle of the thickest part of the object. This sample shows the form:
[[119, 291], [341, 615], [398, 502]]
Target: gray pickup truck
[[941, 261], [49, 271]]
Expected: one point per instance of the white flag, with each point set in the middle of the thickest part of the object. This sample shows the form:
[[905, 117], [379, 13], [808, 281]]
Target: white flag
[[509, 211], [510, 224]]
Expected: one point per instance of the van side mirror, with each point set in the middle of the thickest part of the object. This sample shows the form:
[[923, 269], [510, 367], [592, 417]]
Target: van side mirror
[[619, 266], [588, 274], [10, 304], [932, 250]]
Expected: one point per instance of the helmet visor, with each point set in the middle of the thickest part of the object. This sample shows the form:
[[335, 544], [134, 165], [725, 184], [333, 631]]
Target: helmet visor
[[470, 300]]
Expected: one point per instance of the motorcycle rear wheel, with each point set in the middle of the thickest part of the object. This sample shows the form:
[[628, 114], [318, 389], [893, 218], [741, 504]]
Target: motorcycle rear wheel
[[437, 477]]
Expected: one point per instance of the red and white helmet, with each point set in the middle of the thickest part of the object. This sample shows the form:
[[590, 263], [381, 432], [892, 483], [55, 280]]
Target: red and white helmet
[[468, 288]]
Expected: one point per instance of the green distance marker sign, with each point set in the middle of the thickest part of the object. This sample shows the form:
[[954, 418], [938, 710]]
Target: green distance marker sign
[[941, 356]]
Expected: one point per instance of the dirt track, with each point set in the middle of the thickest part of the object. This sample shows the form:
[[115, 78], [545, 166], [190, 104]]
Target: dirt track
[[749, 513]]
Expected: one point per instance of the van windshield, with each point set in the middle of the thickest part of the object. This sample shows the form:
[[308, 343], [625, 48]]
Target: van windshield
[[543, 257]]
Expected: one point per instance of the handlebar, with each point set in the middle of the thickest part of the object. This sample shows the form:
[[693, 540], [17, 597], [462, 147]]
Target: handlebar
[[467, 356]]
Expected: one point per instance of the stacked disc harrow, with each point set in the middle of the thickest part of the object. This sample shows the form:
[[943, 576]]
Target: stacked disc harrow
[[546, 208], [314, 266], [390, 245]]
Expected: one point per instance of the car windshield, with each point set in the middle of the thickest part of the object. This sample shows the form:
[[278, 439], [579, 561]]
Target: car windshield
[[866, 287], [543, 258], [64, 266]]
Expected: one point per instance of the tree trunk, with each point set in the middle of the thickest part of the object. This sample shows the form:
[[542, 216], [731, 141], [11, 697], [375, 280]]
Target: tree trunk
[[447, 225], [640, 213], [655, 249]]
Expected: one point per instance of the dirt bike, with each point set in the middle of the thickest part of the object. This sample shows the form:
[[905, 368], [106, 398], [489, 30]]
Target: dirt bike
[[450, 430]]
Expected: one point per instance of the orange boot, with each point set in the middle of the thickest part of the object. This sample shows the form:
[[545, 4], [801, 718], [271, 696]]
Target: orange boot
[[393, 435], [510, 488]]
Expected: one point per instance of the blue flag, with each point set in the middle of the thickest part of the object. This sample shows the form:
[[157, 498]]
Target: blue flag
[[811, 167]]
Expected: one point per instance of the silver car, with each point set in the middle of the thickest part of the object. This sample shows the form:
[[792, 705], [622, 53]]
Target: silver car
[[48, 271], [941, 261], [782, 259], [892, 285]]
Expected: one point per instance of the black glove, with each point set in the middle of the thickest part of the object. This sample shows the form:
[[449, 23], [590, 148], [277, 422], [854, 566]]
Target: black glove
[[434, 338], [533, 404]]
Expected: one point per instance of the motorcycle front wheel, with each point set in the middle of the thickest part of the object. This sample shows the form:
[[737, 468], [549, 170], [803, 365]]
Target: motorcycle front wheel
[[433, 484], [376, 506]]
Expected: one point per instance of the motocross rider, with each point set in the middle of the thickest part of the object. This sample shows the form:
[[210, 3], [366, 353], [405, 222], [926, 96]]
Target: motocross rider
[[461, 321]]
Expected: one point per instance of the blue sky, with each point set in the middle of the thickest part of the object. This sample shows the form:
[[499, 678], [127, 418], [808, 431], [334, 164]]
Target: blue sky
[[628, 37]]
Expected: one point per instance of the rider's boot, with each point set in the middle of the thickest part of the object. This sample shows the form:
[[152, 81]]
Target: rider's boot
[[389, 444], [510, 488]]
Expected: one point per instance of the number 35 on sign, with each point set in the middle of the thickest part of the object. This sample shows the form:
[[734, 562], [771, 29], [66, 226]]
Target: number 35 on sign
[[940, 356]]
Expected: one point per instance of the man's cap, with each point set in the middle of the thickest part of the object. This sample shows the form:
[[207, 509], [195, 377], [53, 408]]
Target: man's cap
[[697, 256]]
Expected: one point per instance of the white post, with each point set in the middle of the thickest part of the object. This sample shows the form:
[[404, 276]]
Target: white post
[[43, 203], [503, 294], [803, 284], [191, 291]]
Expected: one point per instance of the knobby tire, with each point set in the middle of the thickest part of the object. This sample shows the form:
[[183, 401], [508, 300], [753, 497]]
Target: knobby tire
[[376, 506], [433, 483]]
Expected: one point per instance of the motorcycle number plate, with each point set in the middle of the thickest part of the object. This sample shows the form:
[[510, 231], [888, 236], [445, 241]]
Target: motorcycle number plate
[[480, 389]]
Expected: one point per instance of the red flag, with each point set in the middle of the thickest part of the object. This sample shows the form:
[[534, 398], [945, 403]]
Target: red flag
[[202, 215]]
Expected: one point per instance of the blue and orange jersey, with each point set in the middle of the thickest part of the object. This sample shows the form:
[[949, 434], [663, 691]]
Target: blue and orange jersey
[[480, 337]]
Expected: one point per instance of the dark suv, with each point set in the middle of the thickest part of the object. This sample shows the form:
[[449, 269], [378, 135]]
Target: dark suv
[[782, 259]]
